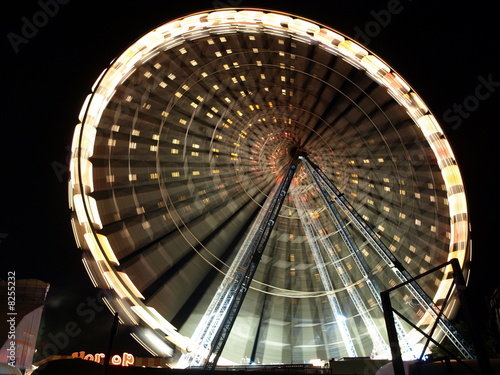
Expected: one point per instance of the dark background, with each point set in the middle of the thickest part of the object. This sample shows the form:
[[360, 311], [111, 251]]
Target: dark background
[[443, 49]]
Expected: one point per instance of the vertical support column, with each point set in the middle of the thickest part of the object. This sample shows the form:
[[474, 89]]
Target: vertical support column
[[481, 354], [379, 344], [335, 196], [213, 330], [107, 358], [257, 245], [305, 219], [397, 359]]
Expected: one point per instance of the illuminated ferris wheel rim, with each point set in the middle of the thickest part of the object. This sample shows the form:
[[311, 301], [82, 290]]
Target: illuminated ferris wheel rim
[[171, 34]]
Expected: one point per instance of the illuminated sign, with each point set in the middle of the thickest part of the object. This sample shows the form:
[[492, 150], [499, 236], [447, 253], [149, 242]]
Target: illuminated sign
[[126, 359]]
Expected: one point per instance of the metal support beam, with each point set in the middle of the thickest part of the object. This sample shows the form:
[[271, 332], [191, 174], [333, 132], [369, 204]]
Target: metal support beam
[[477, 341], [397, 359], [336, 196], [306, 221], [379, 343], [351, 245], [459, 283], [242, 285], [213, 330]]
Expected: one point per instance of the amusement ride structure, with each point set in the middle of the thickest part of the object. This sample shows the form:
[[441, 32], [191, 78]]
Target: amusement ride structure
[[245, 183]]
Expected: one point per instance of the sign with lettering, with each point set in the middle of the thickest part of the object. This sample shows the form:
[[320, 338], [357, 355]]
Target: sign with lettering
[[126, 359]]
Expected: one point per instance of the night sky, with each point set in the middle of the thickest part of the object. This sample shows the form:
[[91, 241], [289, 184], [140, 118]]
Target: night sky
[[447, 51]]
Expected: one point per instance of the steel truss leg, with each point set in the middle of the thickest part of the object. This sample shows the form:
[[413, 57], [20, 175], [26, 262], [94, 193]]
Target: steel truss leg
[[325, 277], [333, 195], [379, 345], [213, 330]]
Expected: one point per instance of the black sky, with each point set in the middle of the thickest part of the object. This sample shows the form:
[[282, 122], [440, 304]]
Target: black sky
[[445, 50]]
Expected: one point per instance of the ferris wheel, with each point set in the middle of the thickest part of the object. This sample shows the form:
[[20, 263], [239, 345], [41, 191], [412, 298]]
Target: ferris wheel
[[245, 183]]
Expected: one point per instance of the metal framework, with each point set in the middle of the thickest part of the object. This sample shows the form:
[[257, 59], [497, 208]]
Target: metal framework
[[213, 330], [459, 282], [215, 326], [183, 136], [312, 231], [333, 195]]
